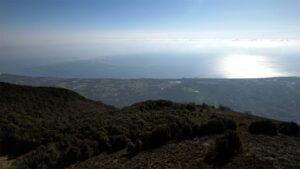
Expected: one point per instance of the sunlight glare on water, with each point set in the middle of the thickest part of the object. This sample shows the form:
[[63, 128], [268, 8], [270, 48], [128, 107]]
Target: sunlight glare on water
[[248, 66]]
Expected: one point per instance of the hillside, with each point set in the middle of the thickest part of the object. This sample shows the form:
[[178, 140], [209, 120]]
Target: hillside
[[44, 127], [33, 119], [259, 152], [276, 98]]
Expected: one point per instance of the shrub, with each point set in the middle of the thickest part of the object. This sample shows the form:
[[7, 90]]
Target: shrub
[[289, 129], [181, 131], [71, 154], [213, 116], [263, 127], [154, 105], [226, 147], [216, 126], [242, 124], [133, 149], [174, 128], [159, 136], [103, 141], [187, 130], [224, 108], [213, 126], [43, 157], [118, 142], [197, 130], [88, 149], [116, 130], [205, 106], [230, 124], [138, 145], [16, 141], [191, 107]]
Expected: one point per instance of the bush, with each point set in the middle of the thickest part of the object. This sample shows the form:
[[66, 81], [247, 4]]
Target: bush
[[289, 129], [226, 147], [224, 108], [102, 140], [154, 105], [263, 127], [133, 149], [70, 154], [43, 158], [88, 149], [159, 136], [230, 125], [191, 107], [16, 141], [181, 130], [205, 106], [213, 126], [187, 130], [219, 125], [118, 142], [197, 130], [174, 128], [116, 130]]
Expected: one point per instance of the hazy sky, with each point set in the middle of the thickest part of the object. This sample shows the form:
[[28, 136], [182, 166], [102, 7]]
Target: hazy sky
[[51, 29], [151, 15]]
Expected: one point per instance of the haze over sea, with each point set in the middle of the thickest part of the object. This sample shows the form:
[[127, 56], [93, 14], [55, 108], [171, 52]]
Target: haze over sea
[[162, 57], [151, 39]]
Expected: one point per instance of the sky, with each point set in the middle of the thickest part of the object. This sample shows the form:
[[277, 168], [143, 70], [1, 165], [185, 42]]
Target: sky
[[56, 30], [274, 16]]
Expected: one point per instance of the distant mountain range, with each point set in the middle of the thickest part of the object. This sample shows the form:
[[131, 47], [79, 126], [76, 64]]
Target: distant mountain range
[[126, 66], [277, 98]]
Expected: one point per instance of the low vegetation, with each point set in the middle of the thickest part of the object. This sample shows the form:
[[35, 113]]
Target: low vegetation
[[55, 128], [268, 127], [263, 127], [225, 148], [289, 129]]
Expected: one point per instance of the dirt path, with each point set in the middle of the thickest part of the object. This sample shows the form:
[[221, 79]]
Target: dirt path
[[4, 162]]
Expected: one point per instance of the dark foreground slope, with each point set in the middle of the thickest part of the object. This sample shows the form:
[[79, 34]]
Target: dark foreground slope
[[39, 120], [258, 152], [276, 98], [56, 128]]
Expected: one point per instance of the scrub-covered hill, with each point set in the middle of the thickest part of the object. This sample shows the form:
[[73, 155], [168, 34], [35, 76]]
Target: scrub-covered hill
[[276, 98], [44, 127]]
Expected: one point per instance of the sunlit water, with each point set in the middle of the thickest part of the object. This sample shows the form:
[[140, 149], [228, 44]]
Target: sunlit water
[[164, 58], [216, 58], [248, 66], [251, 58]]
